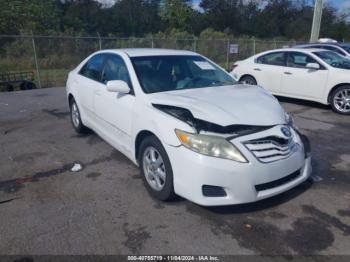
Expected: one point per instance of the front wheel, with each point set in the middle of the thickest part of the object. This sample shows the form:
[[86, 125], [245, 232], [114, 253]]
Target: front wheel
[[340, 100], [248, 80], [156, 169]]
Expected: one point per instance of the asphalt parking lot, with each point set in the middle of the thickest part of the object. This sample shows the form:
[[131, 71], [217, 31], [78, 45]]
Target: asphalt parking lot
[[104, 209]]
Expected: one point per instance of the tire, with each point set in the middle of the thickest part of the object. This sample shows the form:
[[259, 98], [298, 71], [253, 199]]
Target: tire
[[23, 86], [340, 100], [249, 80], [30, 86], [159, 186], [9, 88], [76, 118]]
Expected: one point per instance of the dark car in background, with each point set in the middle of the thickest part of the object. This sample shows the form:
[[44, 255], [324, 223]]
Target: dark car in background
[[340, 48]]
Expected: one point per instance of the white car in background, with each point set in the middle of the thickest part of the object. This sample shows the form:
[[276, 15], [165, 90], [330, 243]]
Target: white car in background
[[189, 126], [311, 74]]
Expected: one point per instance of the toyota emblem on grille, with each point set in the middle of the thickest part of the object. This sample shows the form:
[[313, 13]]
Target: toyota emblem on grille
[[285, 131]]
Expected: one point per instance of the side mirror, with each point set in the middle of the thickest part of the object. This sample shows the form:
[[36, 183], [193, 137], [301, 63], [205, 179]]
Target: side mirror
[[313, 66], [118, 86]]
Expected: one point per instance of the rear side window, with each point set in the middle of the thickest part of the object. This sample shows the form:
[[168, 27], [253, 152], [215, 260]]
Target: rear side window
[[277, 59], [93, 68]]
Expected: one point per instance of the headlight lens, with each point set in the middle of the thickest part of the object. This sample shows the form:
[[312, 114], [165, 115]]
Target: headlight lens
[[210, 145]]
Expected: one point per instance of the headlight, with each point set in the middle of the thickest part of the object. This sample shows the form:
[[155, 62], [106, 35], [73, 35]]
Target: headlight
[[290, 121], [210, 145]]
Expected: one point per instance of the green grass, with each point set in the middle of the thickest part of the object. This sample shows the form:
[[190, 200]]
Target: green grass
[[53, 77]]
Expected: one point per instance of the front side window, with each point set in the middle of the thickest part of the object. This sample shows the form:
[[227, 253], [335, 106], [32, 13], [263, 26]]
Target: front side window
[[334, 59], [299, 60], [176, 72], [115, 69], [93, 68], [277, 59]]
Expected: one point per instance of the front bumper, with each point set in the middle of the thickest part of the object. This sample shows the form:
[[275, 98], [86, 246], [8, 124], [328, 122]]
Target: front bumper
[[239, 180]]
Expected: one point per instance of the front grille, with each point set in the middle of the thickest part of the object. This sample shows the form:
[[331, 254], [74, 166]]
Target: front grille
[[213, 191], [278, 182], [272, 148]]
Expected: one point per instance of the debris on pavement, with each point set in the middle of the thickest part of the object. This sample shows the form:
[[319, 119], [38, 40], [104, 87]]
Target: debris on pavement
[[76, 167], [248, 226], [316, 178]]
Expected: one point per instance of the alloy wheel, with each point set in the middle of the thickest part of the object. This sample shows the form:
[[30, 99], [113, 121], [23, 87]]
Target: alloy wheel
[[341, 100], [154, 168], [75, 115]]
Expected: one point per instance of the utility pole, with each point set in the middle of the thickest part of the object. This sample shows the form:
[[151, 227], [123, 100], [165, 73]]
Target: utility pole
[[316, 22]]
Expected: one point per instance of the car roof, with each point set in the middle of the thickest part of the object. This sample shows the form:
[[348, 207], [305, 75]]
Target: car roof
[[136, 52], [312, 44], [295, 49]]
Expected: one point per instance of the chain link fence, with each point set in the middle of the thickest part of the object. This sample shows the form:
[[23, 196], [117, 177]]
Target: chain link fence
[[50, 58]]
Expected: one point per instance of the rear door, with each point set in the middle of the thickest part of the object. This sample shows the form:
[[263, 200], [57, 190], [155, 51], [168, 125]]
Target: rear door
[[114, 110], [268, 70], [88, 76], [299, 81]]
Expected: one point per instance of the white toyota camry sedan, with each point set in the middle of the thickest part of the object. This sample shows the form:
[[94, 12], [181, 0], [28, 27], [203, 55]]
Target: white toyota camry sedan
[[312, 74], [189, 126]]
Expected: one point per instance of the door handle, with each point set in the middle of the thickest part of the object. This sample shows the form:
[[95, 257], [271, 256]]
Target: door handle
[[257, 69], [287, 73]]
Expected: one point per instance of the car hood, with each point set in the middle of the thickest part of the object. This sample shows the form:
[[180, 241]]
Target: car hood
[[226, 105]]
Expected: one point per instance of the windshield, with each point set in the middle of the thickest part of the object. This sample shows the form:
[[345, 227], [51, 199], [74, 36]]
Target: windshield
[[333, 59], [169, 73]]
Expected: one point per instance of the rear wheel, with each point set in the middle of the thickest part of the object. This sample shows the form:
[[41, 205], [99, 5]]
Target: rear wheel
[[340, 100], [249, 80], [27, 85], [76, 119], [31, 85], [156, 169]]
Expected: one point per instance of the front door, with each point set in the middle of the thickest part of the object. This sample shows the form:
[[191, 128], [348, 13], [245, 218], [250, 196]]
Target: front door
[[301, 82], [114, 110]]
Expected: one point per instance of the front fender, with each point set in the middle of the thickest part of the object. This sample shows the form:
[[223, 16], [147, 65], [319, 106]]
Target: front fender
[[161, 124]]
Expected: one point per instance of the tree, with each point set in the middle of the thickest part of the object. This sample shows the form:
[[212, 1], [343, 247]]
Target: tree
[[289, 19], [29, 15], [85, 16], [177, 14], [223, 14], [135, 17]]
